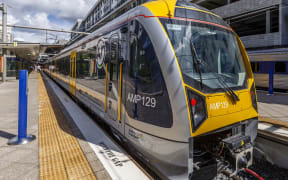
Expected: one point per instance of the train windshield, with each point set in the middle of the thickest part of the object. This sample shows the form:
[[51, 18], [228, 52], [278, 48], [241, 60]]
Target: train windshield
[[208, 55]]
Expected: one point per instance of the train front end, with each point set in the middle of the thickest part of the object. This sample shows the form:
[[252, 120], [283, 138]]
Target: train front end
[[219, 89]]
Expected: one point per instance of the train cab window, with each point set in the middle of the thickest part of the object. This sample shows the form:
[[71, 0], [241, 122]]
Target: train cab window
[[146, 92], [255, 67], [139, 68], [280, 67], [144, 67]]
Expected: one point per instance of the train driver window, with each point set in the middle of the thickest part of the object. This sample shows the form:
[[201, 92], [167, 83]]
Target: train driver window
[[144, 67], [139, 68], [146, 92]]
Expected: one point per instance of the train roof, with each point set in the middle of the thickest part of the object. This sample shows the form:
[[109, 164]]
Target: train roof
[[157, 7]]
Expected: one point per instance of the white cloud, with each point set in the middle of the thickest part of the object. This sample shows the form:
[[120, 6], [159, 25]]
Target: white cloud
[[56, 14]]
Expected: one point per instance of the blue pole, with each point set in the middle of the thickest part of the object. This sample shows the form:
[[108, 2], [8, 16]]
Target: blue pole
[[22, 137], [22, 106], [271, 79]]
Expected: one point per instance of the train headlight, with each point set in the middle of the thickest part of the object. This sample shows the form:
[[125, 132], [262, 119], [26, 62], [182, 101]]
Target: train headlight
[[197, 109], [253, 97]]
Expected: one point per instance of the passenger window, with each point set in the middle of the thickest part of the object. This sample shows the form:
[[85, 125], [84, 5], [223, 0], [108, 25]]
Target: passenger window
[[280, 67]]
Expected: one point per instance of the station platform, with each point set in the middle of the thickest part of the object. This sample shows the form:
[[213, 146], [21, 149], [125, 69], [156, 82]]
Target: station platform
[[273, 109], [67, 145]]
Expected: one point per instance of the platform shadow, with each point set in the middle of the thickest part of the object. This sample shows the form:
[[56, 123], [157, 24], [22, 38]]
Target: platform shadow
[[6, 135], [275, 99]]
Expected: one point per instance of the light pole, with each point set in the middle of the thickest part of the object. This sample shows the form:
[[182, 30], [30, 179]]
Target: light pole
[[3, 8]]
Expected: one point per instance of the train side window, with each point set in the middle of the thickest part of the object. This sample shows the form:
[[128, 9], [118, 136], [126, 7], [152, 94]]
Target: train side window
[[139, 68], [146, 93], [280, 67], [255, 66], [143, 68]]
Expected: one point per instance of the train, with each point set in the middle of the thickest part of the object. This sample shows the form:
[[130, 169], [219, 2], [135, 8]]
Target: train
[[173, 81]]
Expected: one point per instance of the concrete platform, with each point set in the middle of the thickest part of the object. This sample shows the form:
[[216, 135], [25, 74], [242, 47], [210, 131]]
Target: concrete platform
[[273, 109], [18, 162]]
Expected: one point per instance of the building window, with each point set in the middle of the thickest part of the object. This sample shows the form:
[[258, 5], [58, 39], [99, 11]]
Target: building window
[[280, 67], [249, 25], [254, 24], [274, 19], [213, 4]]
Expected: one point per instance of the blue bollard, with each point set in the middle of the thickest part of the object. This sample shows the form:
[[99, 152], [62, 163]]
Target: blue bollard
[[22, 137], [271, 79]]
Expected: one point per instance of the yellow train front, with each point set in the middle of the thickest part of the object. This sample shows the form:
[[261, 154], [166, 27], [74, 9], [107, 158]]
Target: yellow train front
[[174, 82]]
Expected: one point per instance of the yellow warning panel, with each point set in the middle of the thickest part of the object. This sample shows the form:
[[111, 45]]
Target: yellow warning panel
[[60, 154]]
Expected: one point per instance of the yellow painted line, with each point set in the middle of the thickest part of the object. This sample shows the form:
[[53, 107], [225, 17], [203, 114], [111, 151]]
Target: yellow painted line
[[106, 74], [60, 154], [120, 92]]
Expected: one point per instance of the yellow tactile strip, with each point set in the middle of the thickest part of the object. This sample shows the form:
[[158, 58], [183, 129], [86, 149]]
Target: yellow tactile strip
[[60, 155]]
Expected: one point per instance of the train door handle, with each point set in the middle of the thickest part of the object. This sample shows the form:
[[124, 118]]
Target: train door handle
[[110, 86]]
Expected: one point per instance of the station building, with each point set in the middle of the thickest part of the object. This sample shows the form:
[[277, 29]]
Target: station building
[[9, 35], [102, 12], [262, 26]]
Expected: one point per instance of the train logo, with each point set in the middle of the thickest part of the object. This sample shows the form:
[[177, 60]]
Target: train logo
[[100, 52]]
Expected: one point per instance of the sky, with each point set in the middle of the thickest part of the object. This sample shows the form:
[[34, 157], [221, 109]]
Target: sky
[[55, 14]]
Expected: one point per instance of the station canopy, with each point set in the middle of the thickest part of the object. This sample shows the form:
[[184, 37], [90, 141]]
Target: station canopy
[[31, 51]]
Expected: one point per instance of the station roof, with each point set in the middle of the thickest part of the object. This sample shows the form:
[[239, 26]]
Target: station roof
[[31, 51]]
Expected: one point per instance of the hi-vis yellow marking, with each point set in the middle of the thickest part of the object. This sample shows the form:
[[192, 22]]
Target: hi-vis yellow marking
[[242, 143], [106, 74], [72, 80], [60, 155], [120, 92]]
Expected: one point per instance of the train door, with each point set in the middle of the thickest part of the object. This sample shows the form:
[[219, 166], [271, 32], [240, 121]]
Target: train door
[[114, 92], [72, 74]]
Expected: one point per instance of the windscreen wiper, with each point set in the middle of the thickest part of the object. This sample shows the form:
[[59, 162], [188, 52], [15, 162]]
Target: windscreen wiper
[[196, 61], [228, 89], [224, 85]]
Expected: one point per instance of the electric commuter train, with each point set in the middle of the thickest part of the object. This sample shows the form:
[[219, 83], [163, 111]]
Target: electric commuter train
[[173, 81]]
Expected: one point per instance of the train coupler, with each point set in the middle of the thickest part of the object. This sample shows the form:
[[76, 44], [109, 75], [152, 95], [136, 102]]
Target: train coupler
[[239, 154]]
